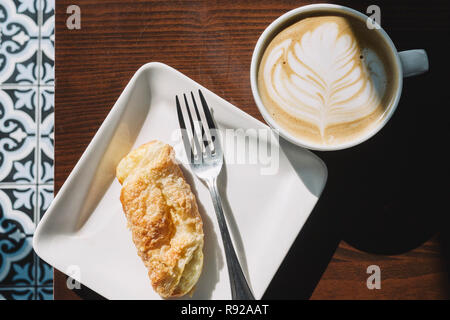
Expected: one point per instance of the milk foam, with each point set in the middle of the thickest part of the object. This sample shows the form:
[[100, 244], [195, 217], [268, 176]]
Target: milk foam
[[324, 77]]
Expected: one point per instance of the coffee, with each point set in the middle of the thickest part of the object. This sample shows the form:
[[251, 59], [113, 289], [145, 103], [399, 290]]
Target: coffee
[[327, 79]]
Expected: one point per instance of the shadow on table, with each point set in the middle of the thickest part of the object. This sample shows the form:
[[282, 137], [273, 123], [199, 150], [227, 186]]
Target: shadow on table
[[308, 257], [87, 294], [444, 240], [385, 196]]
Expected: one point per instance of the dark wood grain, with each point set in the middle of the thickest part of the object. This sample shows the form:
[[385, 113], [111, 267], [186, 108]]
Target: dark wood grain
[[381, 205]]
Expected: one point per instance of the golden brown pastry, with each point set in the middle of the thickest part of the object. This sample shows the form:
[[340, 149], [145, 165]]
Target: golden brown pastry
[[163, 217]]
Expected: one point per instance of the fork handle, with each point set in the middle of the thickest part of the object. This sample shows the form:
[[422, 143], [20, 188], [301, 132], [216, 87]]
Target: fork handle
[[239, 286]]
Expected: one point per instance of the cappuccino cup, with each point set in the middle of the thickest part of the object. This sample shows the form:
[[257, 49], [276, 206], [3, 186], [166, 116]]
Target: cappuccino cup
[[327, 77]]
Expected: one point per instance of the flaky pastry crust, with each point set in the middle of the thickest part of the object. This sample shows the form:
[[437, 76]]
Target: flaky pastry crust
[[163, 217]]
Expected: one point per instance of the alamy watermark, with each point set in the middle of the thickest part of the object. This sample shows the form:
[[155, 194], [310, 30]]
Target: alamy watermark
[[74, 272], [374, 280], [74, 19], [241, 147], [374, 17]]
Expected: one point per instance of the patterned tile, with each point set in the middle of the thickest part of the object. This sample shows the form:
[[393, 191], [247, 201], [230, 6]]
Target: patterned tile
[[18, 135], [44, 271], [28, 7], [26, 293], [46, 135], [47, 51], [44, 293], [19, 41], [45, 197], [27, 54], [48, 9], [17, 226]]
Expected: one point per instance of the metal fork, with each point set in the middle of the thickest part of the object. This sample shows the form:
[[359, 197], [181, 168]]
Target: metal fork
[[204, 152]]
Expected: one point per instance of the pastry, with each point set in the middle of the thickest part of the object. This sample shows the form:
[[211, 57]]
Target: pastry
[[163, 217]]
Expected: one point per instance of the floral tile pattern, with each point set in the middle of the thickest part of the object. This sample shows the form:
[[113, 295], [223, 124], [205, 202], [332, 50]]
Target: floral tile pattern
[[19, 41], [46, 135], [45, 197], [44, 272], [47, 48], [18, 135], [17, 293], [27, 51], [17, 206]]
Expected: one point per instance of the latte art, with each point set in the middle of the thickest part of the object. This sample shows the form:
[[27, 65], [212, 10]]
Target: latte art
[[317, 72]]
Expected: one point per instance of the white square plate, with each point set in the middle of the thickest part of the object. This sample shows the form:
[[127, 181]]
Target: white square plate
[[84, 232]]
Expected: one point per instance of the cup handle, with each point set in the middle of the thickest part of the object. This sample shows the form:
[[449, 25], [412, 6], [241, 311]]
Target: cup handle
[[414, 62]]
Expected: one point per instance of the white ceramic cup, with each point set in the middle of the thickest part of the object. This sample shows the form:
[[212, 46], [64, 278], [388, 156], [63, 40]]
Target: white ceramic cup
[[408, 63]]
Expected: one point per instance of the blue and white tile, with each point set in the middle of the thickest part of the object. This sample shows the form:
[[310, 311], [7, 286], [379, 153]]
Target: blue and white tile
[[26, 293], [19, 41], [45, 198], [18, 132], [44, 293], [44, 271], [18, 293], [47, 52], [28, 7], [27, 54], [46, 135], [48, 9], [17, 225]]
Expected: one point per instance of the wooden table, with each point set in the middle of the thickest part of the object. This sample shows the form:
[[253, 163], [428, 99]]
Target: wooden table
[[381, 205]]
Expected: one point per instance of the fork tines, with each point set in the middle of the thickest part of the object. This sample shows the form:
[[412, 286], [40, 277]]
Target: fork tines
[[199, 131]]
